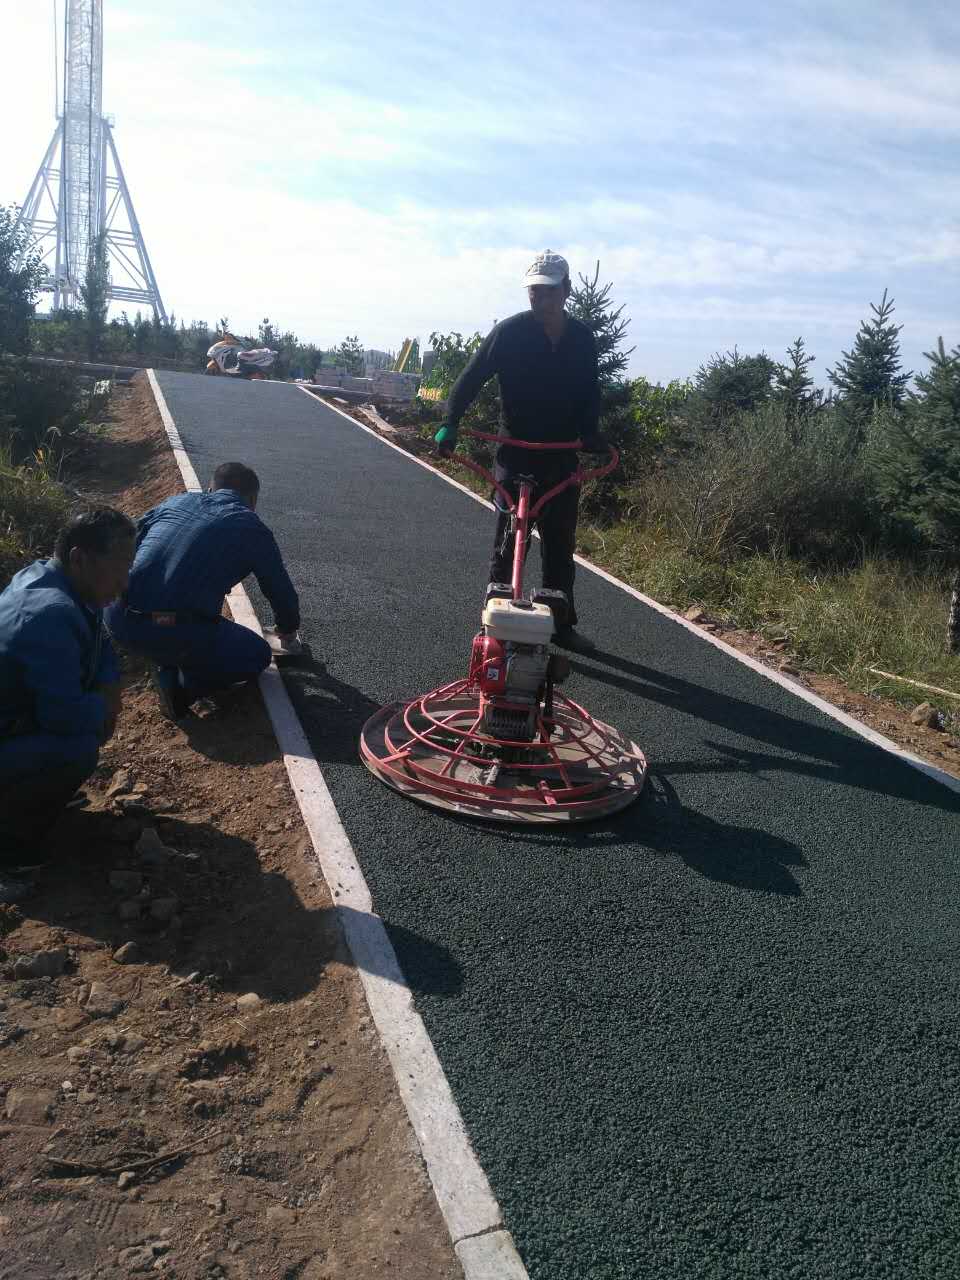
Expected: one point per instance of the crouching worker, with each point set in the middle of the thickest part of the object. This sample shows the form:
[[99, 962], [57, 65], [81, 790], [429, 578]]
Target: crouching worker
[[59, 683], [191, 551]]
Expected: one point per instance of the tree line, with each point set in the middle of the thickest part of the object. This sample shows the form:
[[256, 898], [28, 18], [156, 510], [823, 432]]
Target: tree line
[[745, 455]]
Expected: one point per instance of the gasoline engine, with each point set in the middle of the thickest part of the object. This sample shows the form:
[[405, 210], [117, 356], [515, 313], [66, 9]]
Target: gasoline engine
[[511, 665]]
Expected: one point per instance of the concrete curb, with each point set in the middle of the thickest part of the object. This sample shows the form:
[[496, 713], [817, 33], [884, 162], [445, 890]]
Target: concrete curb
[[473, 1216]]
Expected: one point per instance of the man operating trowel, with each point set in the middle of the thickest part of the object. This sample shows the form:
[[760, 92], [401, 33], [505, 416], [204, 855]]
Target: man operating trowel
[[546, 361]]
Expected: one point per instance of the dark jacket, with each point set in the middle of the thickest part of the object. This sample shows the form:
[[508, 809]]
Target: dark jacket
[[547, 393], [54, 653]]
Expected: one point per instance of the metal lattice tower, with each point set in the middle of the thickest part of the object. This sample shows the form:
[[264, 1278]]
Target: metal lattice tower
[[80, 192]]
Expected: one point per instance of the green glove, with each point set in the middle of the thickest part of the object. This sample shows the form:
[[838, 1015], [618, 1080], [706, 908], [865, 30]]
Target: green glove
[[446, 439]]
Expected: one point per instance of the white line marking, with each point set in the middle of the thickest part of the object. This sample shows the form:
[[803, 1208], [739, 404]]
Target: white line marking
[[463, 1193], [176, 444], [807, 695]]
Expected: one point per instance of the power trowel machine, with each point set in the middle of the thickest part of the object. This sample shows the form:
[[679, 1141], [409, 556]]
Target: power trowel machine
[[504, 744]]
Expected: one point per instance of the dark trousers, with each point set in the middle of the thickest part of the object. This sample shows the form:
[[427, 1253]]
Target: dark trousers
[[557, 526], [39, 774], [208, 656]]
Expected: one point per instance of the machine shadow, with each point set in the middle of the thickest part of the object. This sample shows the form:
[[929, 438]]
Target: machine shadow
[[845, 758], [743, 857]]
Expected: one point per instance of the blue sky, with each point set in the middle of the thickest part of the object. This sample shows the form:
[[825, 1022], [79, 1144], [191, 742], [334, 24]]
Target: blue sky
[[744, 173]]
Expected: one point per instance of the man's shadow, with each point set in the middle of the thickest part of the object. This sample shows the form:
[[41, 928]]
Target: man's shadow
[[241, 927], [332, 713], [833, 755], [743, 857]]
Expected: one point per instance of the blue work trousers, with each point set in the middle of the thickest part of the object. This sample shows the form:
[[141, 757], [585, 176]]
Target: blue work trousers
[[207, 655], [39, 774]]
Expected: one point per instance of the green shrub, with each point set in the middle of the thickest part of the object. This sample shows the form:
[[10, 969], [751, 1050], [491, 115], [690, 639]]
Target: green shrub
[[42, 409], [33, 507], [753, 486]]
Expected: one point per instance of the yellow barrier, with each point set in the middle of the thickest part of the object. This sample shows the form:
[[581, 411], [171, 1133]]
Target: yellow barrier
[[404, 355]]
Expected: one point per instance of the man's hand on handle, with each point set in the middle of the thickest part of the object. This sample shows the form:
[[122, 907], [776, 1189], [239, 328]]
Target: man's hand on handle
[[594, 444], [446, 440]]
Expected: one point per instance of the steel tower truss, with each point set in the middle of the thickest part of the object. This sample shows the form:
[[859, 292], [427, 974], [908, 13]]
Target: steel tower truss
[[80, 192]]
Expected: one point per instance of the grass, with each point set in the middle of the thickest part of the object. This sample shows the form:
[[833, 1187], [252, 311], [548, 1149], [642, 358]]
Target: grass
[[877, 613], [33, 506]]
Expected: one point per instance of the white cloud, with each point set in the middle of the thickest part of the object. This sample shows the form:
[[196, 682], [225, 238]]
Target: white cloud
[[349, 171]]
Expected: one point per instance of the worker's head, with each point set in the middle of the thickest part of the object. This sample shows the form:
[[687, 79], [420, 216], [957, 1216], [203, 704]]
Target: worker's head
[[547, 280], [95, 551], [241, 479]]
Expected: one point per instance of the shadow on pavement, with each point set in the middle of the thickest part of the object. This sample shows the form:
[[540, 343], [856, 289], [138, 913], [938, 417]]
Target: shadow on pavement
[[744, 857], [332, 713], [847, 759]]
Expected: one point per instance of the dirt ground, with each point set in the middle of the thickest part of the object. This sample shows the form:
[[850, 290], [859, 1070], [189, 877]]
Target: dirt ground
[[934, 739], [190, 1083]]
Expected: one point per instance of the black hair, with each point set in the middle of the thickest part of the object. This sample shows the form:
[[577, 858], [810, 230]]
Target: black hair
[[237, 476], [94, 531]]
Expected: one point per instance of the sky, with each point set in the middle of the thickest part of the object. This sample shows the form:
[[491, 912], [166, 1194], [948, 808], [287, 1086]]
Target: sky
[[744, 173]]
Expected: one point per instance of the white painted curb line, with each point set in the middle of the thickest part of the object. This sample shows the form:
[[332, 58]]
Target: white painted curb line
[[473, 1217], [931, 770]]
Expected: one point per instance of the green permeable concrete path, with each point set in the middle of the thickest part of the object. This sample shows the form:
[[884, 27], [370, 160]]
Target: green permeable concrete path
[[716, 1036]]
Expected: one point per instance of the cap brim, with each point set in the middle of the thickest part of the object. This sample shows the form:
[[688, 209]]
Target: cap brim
[[550, 280]]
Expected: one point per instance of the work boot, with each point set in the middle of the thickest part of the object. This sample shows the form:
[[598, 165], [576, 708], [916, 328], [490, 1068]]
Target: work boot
[[174, 704], [574, 640], [14, 887]]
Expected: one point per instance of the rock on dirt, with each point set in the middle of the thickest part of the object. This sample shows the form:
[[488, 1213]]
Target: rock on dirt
[[926, 715], [30, 1106], [42, 964], [150, 848], [126, 881], [129, 953], [101, 1002], [163, 909]]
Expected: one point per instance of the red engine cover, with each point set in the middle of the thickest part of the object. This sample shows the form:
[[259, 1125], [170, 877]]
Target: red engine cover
[[488, 665]]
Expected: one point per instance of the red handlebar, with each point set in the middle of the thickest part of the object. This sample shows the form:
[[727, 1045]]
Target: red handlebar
[[526, 444], [576, 477]]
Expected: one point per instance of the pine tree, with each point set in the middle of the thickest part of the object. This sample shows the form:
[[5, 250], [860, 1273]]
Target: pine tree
[[793, 388], [734, 383], [869, 376], [93, 295], [349, 356], [18, 286], [793, 384], [917, 464], [592, 305]]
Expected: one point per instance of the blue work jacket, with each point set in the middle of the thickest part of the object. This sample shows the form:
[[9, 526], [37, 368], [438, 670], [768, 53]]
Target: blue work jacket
[[195, 547], [54, 652]]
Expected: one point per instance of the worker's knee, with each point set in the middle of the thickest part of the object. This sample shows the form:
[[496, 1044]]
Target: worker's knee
[[47, 754], [243, 654]]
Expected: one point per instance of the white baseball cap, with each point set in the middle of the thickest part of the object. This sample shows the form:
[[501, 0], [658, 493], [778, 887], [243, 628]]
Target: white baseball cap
[[547, 268]]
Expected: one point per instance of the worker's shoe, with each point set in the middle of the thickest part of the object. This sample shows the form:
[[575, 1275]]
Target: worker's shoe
[[15, 886], [174, 703], [574, 640]]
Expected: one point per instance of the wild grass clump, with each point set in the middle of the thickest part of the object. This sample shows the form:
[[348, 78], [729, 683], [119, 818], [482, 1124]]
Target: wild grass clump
[[33, 507], [43, 409]]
